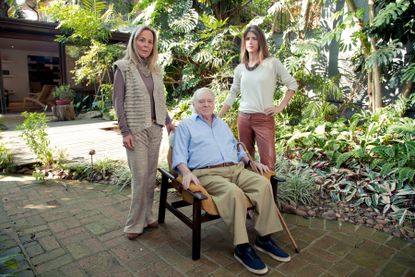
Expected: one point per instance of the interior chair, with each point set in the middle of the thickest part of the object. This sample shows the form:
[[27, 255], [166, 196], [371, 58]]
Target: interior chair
[[204, 208], [42, 98]]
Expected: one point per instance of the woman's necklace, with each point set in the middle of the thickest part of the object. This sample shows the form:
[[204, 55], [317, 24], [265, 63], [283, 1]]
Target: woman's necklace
[[251, 68]]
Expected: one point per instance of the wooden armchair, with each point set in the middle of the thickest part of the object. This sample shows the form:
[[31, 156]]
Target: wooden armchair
[[42, 98], [204, 208]]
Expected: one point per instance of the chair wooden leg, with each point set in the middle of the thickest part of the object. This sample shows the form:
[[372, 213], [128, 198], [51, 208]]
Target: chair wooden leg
[[196, 229], [163, 198]]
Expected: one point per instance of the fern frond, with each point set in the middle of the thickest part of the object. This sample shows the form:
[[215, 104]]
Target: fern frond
[[94, 6]]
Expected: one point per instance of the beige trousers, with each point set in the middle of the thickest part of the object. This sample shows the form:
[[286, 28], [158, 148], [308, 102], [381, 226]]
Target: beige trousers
[[228, 187], [143, 165]]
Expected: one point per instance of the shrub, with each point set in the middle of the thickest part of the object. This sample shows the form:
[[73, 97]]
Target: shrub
[[300, 187], [64, 92], [34, 135], [6, 158]]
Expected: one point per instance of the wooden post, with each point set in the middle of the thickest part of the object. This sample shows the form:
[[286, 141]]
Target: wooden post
[[64, 112]]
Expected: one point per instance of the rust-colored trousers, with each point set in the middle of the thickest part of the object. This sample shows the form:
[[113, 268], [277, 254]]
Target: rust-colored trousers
[[259, 128]]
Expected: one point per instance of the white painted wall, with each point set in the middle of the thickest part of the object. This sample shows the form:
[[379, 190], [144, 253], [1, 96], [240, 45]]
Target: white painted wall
[[16, 62]]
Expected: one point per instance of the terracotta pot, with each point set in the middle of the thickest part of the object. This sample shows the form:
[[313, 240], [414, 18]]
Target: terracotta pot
[[61, 102]]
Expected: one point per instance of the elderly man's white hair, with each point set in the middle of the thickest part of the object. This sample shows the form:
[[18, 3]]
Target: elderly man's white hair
[[197, 94]]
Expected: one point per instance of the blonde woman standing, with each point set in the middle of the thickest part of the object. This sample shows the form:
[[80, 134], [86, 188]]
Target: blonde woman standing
[[256, 80], [140, 104]]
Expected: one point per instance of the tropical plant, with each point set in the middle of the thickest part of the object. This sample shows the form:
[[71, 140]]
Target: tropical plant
[[34, 135], [64, 92]]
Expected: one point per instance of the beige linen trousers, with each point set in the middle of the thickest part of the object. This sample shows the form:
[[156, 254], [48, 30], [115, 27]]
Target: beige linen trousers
[[143, 166], [228, 187]]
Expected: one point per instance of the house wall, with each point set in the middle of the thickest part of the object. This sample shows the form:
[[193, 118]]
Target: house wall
[[15, 61]]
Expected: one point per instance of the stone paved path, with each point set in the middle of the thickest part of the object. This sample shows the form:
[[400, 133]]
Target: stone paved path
[[75, 229]]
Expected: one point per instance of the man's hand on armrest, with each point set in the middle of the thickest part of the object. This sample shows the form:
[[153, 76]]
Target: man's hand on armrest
[[188, 176]]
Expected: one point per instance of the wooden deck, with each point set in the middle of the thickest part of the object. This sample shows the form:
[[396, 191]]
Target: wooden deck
[[76, 138]]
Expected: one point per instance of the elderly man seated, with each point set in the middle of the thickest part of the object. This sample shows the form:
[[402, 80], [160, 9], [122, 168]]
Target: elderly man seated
[[205, 152]]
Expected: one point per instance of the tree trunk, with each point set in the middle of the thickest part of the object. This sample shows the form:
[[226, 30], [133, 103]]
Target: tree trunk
[[64, 112], [377, 88], [373, 76], [305, 17], [407, 89]]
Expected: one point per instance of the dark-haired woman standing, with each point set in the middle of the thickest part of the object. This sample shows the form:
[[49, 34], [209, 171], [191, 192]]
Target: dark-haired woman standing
[[256, 80]]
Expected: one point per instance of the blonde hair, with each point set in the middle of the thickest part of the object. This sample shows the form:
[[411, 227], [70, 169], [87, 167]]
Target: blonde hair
[[262, 44], [197, 94], [131, 53]]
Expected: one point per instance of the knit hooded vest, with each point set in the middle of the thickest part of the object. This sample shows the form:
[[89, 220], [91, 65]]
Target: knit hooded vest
[[137, 100]]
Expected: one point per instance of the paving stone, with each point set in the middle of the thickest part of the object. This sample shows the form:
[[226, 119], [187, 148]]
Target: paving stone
[[342, 268], [9, 243], [409, 250], [311, 270], [332, 225], [78, 237], [295, 265], [34, 230], [317, 223], [347, 227], [70, 232], [102, 264], [290, 218], [111, 235], [404, 260], [396, 243], [57, 226], [102, 226], [34, 249], [49, 243], [53, 264], [78, 250], [302, 221], [325, 242], [380, 236], [384, 251], [364, 231], [36, 220], [48, 256], [392, 269], [205, 268], [366, 259], [71, 270], [359, 272]]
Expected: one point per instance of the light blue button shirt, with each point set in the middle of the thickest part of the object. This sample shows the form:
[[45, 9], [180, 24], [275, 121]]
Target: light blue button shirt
[[197, 145]]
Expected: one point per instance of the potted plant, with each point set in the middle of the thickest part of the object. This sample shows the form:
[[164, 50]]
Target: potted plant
[[63, 94]]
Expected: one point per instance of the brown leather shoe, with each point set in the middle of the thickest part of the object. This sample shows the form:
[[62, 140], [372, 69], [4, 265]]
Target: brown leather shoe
[[155, 224], [133, 236]]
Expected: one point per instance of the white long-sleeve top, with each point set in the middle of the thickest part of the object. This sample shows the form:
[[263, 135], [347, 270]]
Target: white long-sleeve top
[[257, 87]]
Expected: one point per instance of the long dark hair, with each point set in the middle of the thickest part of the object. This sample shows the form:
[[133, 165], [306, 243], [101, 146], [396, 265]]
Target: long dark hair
[[262, 44]]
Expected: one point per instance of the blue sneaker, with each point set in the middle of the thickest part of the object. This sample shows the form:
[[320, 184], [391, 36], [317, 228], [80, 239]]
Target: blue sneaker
[[250, 260], [271, 248]]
